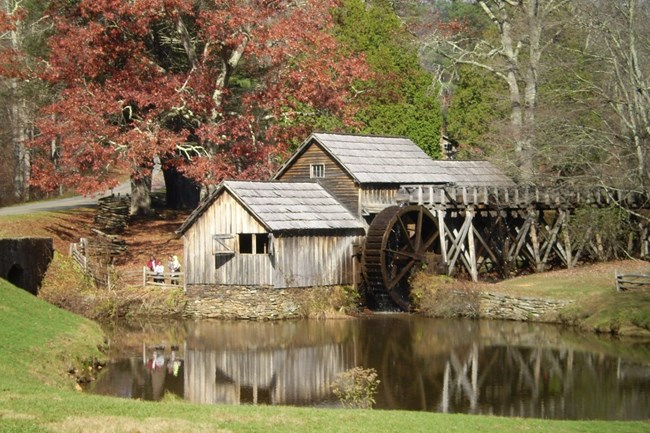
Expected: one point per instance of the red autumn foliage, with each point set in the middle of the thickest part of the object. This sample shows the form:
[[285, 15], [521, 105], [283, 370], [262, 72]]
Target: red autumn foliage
[[216, 88], [12, 64]]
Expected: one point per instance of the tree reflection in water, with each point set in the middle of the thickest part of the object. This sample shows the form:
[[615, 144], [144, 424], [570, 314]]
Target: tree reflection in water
[[479, 367]]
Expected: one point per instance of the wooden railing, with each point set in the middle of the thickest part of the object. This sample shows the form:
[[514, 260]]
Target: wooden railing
[[523, 196], [77, 253], [102, 274], [107, 276], [625, 282], [165, 280]]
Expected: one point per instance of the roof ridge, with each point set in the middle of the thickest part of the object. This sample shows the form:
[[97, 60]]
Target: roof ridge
[[356, 134]]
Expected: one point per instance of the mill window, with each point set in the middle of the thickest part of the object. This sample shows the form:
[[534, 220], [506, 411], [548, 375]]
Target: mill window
[[253, 243], [317, 171]]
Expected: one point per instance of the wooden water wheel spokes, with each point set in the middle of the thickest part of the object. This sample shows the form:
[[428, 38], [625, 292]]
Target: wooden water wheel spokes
[[397, 240]]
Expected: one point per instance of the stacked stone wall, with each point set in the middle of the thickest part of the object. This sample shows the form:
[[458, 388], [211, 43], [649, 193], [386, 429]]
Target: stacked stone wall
[[230, 302], [505, 307]]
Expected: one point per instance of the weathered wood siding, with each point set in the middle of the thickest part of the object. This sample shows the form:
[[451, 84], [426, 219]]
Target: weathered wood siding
[[297, 261], [225, 216], [337, 181], [306, 261], [377, 198]]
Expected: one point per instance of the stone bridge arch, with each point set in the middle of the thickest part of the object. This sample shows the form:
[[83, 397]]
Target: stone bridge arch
[[23, 261]]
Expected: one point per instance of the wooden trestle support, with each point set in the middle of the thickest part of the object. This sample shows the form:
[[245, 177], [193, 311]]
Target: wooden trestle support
[[502, 231]]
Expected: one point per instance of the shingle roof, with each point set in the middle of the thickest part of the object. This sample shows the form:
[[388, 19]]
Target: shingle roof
[[284, 206], [475, 173], [396, 160]]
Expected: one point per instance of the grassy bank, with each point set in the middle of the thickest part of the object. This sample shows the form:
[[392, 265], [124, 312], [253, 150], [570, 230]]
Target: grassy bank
[[595, 303], [39, 343]]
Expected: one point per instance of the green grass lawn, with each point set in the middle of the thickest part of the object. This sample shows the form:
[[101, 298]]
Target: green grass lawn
[[597, 305], [577, 283], [39, 343]]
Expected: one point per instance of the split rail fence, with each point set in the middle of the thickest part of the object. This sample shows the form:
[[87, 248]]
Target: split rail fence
[[625, 282]]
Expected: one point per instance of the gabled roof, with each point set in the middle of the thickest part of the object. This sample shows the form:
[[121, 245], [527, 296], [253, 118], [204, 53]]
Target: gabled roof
[[373, 159], [283, 206]]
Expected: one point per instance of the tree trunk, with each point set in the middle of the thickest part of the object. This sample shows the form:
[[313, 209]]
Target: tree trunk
[[140, 196], [22, 165], [180, 192], [19, 121], [523, 146]]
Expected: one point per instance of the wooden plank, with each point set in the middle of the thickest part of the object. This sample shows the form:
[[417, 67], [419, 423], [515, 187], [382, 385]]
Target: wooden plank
[[626, 282], [547, 246], [458, 242], [486, 246], [442, 234], [581, 246], [471, 245], [336, 180]]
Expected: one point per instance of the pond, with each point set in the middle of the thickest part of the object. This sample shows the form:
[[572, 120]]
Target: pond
[[455, 366]]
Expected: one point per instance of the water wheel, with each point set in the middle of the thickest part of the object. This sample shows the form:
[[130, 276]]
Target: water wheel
[[397, 240]]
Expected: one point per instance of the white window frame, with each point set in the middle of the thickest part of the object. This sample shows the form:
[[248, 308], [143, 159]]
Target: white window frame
[[316, 171]]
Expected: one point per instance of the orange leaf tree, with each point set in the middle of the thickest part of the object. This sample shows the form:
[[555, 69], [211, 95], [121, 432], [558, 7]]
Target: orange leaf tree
[[214, 88]]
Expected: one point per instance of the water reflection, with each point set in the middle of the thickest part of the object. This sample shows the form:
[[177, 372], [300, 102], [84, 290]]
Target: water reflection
[[265, 363], [501, 368]]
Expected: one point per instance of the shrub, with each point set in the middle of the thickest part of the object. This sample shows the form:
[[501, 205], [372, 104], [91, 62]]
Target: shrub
[[604, 227], [442, 296], [356, 388], [323, 302], [65, 285]]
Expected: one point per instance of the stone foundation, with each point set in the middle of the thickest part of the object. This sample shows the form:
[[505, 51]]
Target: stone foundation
[[230, 302], [504, 307]]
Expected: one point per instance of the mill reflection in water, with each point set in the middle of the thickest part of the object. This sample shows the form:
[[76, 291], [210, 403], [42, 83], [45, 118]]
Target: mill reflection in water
[[501, 368]]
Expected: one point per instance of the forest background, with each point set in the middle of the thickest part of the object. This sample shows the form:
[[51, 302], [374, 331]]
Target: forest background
[[95, 92]]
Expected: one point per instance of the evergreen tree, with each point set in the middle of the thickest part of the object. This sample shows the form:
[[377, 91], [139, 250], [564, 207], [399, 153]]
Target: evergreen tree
[[476, 109], [399, 97]]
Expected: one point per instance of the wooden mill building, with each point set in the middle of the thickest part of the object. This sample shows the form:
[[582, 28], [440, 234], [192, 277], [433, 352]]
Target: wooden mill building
[[365, 173], [271, 234], [301, 228]]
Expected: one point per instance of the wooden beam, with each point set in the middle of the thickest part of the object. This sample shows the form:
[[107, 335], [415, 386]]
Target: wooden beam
[[443, 236], [550, 241], [458, 241], [469, 215]]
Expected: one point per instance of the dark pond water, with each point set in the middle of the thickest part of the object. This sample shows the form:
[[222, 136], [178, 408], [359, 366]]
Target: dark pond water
[[476, 367]]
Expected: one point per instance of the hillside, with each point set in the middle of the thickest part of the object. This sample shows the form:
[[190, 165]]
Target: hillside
[[143, 236]]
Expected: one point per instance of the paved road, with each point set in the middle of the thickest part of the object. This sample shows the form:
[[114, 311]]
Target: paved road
[[62, 203], [157, 184]]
